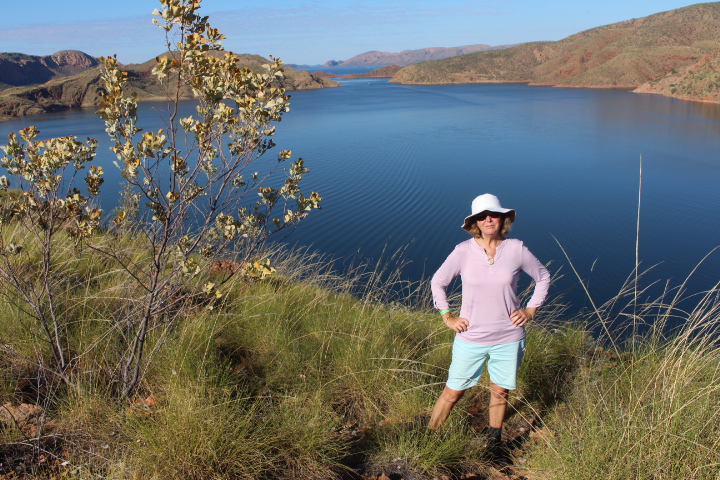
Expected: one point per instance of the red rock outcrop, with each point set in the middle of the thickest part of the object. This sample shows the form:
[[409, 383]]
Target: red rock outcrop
[[18, 69]]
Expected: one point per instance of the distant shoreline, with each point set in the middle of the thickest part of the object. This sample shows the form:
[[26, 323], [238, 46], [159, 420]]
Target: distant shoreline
[[631, 89]]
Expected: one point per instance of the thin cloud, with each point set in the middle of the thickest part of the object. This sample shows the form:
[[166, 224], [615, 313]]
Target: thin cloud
[[347, 17], [104, 37], [314, 29]]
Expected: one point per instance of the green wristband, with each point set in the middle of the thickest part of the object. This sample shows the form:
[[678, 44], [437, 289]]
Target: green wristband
[[444, 312]]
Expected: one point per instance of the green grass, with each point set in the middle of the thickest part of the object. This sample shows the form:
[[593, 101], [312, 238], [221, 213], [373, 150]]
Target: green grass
[[307, 374], [654, 414], [646, 407]]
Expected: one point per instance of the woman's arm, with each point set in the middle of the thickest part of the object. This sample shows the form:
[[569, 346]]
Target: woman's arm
[[532, 266], [442, 278]]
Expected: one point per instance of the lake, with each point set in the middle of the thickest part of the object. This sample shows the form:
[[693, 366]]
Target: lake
[[399, 165]]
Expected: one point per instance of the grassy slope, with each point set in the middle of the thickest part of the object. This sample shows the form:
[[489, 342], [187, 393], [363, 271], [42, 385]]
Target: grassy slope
[[294, 377], [625, 54]]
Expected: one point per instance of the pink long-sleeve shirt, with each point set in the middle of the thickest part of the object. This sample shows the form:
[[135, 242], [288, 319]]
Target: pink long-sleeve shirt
[[489, 292]]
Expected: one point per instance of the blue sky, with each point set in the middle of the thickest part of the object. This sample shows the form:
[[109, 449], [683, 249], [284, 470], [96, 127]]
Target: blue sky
[[312, 31]]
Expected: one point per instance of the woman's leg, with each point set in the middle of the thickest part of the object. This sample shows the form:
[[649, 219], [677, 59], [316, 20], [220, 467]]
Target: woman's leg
[[443, 406], [498, 405], [496, 412], [503, 366]]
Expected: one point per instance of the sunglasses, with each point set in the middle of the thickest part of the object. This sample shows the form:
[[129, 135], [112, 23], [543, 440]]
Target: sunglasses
[[483, 216]]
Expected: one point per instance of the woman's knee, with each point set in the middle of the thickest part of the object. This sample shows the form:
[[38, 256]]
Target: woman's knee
[[452, 396], [496, 391]]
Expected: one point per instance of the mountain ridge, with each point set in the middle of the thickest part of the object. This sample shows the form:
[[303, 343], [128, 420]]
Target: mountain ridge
[[408, 57], [621, 55], [19, 69]]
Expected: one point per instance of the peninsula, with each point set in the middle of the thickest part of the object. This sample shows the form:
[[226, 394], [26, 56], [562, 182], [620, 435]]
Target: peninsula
[[31, 85]]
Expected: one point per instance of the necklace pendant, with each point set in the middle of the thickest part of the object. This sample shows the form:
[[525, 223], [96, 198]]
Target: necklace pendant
[[491, 261]]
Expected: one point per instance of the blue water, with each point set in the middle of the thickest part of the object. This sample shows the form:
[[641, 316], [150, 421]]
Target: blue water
[[400, 164]]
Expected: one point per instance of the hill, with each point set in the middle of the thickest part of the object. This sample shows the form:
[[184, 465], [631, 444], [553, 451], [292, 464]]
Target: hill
[[83, 89], [382, 72], [148, 88], [18, 69], [322, 74], [57, 95], [409, 57], [625, 54], [296, 363]]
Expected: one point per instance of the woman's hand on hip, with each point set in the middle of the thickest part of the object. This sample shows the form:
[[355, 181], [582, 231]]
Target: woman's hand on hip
[[458, 324], [522, 316]]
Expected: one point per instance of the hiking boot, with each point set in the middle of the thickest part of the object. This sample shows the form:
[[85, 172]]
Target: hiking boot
[[498, 452]]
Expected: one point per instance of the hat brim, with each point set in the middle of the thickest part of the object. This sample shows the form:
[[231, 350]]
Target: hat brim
[[508, 212]]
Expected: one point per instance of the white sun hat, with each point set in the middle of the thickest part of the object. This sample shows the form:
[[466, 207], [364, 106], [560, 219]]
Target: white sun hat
[[487, 202]]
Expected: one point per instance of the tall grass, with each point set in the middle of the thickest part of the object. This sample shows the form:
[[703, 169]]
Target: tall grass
[[646, 406], [311, 372]]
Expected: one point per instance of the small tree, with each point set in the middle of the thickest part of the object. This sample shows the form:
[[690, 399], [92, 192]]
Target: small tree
[[199, 192], [46, 206]]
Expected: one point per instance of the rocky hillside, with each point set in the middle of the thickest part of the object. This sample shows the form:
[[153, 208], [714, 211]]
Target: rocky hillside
[[83, 89], [625, 54], [700, 81], [409, 57], [18, 69], [57, 95]]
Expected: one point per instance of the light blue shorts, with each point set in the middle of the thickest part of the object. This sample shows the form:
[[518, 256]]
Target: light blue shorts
[[468, 360]]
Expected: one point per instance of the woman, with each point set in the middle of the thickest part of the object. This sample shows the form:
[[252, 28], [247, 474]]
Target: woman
[[491, 324]]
